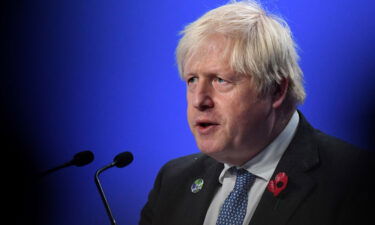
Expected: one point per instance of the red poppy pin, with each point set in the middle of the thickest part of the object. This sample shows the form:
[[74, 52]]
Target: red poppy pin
[[278, 184]]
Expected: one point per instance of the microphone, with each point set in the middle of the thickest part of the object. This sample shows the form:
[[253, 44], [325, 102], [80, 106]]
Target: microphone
[[79, 159], [121, 160]]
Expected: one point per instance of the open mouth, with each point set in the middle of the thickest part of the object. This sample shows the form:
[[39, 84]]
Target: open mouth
[[204, 125]]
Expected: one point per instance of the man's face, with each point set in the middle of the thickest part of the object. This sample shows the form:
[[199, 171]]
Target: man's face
[[228, 119]]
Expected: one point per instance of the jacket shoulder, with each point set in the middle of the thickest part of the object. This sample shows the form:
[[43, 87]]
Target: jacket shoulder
[[182, 166], [337, 151]]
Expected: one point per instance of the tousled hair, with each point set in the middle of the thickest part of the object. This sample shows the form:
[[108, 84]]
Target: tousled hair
[[261, 46]]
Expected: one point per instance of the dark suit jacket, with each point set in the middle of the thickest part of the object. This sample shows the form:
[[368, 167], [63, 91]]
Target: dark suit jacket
[[328, 184]]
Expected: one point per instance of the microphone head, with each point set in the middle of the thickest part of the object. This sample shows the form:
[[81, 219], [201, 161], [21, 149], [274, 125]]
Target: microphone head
[[123, 159], [82, 158]]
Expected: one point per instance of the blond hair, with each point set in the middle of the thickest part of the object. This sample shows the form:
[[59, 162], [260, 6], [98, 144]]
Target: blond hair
[[261, 45]]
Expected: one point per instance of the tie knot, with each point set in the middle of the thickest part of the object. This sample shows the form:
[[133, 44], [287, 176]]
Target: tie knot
[[244, 179]]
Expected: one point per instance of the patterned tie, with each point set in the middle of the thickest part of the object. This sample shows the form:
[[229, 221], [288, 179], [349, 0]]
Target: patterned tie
[[233, 210]]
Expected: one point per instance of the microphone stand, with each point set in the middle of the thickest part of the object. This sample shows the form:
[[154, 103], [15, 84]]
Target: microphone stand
[[121, 160], [80, 159], [104, 199], [45, 173]]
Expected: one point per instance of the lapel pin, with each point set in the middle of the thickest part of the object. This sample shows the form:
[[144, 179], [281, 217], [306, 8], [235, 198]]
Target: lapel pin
[[197, 185], [277, 185]]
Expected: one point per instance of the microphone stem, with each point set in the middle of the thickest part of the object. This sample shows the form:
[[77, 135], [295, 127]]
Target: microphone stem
[[43, 174], [102, 195]]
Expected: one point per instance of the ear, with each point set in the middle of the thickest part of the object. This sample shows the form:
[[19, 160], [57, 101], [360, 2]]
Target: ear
[[279, 93]]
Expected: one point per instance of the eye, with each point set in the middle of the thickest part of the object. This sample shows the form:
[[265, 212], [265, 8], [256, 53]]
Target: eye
[[221, 80], [191, 80], [222, 85]]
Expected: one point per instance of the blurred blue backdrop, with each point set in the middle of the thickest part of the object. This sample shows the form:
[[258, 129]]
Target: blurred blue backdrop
[[101, 75]]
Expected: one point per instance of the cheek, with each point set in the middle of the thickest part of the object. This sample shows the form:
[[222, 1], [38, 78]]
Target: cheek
[[244, 118], [189, 113], [238, 121]]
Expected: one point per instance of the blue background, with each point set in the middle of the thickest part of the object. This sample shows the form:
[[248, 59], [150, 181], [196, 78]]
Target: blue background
[[101, 75]]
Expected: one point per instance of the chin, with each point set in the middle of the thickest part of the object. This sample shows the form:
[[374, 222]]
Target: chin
[[219, 153], [211, 150]]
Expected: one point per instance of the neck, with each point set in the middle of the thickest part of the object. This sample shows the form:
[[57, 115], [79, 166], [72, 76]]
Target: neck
[[280, 120]]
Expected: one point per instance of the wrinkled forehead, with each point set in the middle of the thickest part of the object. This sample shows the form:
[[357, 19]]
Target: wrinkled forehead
[[213, 48]]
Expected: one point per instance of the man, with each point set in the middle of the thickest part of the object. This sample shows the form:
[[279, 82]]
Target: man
[[261, 162]]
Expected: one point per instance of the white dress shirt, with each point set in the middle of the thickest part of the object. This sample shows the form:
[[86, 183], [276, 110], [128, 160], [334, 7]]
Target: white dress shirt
[[262, 166]]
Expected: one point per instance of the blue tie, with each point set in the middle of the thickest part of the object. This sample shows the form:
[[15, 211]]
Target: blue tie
[[233, 210]]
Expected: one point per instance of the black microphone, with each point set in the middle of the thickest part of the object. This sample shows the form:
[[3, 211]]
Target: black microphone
[[121, 160], [79, 159]]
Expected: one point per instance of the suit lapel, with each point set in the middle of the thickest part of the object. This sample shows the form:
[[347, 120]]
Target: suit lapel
[[301, 156], [200, 201]]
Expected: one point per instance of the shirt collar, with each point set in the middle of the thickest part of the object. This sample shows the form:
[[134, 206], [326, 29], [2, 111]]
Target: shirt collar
[[264, 164]]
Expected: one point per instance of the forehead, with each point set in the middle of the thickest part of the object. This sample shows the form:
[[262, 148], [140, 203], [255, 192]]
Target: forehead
[[211, 52]]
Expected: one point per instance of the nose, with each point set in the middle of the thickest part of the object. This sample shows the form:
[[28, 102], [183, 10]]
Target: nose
[[203, 97]]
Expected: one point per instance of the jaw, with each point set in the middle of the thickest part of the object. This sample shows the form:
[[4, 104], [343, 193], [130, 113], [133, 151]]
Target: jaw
[[222, 150], [209, 142]]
